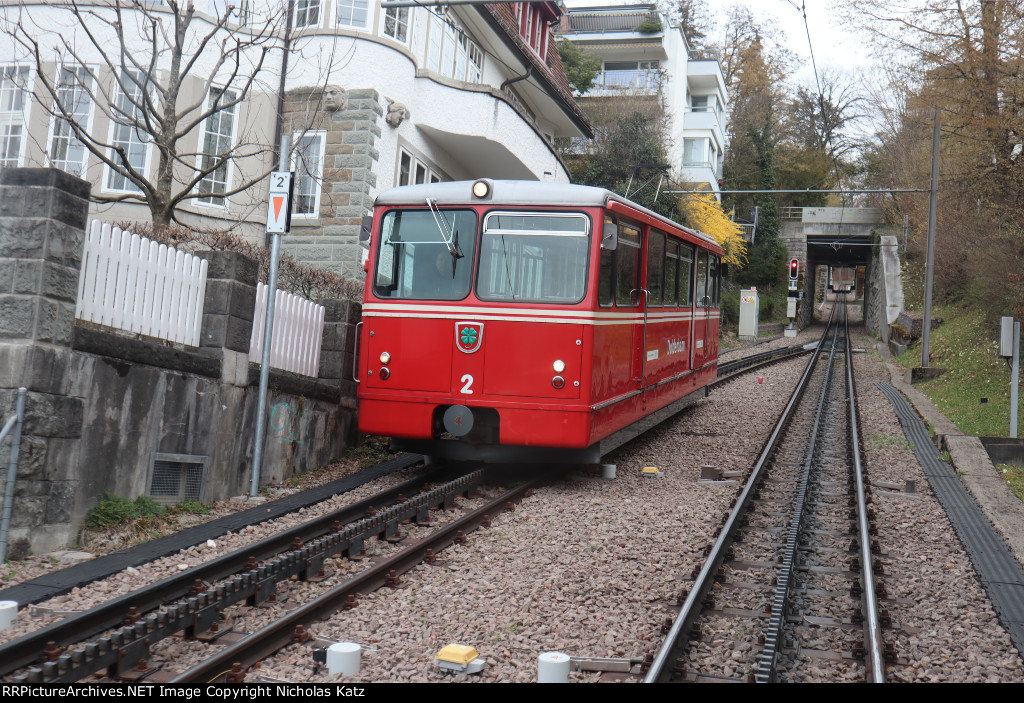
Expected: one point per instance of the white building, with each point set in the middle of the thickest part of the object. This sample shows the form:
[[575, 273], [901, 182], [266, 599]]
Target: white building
[[642, 52], [373, 98]]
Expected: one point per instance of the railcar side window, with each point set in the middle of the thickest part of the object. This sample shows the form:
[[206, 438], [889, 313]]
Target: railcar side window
[[534, 257], [702, 279], [415, 259], [606, 273], [713, 282], [685, 275], [656, 267], [627, 266], [671, 272]]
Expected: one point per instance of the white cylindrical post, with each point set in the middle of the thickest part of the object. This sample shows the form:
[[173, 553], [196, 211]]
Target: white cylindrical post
[[8, 614], [553, 667], [343, 658]]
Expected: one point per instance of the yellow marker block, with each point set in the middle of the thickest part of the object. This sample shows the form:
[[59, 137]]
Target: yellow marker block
[[460, 654], [653, 470]]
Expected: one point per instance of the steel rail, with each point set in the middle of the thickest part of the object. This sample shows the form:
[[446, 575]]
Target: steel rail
[[731, 369], [661, 668], [196, 611], [872, 625], [767, 660], [269, 640]]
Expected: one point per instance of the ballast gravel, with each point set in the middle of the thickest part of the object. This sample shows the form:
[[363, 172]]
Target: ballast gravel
[[593, 568]]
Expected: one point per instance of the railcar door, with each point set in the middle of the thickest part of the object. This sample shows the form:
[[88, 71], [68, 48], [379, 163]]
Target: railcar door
[[713, 310], [629, 294], [702, 305]]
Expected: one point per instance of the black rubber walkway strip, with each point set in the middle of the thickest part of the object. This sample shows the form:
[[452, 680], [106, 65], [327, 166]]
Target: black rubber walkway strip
[[62, 581], [1000, 572]]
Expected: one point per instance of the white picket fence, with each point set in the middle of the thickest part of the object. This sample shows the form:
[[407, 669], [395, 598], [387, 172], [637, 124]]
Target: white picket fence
[[298, 332], [132, 283]]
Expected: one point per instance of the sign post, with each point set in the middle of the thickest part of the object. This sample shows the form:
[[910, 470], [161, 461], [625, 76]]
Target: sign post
[[279, 215], [1009, 347]]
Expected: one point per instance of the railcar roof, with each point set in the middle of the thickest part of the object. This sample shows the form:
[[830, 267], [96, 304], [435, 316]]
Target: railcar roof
[[517, 193]]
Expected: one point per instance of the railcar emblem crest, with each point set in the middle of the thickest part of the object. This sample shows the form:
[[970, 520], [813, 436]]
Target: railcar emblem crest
[[469, 336]]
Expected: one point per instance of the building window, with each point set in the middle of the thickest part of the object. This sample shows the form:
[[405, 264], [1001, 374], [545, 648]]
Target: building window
[[396, 23], [13, 106], [630, 75], [696, 153], [308, 165], [412, 171], [218, 130], [73, 92], [533, 28], [353, 13], [451, 52], [125, 116], [307, 13]]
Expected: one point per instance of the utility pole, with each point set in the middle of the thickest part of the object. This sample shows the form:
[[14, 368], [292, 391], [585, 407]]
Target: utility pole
[[929, 271]]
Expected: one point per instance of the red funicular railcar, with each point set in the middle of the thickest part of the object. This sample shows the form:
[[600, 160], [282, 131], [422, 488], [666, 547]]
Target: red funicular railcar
[[505, 317]]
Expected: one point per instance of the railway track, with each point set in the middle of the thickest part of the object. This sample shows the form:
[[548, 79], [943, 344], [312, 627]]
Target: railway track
[[194, 601], [789, 584], [116, 639]]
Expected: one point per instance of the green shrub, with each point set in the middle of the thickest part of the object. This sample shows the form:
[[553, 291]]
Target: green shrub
[[190, 507], [731, 307], [116, 510]]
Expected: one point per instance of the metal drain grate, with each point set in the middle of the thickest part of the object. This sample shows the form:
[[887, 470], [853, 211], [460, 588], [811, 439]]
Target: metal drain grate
[[175, 478]]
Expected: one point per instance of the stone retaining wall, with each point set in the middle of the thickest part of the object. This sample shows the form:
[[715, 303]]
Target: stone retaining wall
[[101, 403]]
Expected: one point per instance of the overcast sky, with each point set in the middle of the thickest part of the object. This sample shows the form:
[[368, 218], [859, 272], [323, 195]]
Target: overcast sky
[[833, 45]]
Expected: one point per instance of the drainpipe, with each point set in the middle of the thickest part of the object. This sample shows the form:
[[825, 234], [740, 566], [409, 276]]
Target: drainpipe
[[510, 81]]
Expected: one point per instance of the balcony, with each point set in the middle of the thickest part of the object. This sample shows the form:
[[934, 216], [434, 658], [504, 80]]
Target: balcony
[[703, 72], [704, 118], [700, 172]]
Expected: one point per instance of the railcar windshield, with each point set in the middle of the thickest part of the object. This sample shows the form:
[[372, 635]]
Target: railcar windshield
[[425, 255], [534, 257]]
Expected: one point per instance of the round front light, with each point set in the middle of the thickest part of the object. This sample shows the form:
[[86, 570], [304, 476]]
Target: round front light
[[384, 373], [480, 189], [385, 358], [558, 366], [558, 382]]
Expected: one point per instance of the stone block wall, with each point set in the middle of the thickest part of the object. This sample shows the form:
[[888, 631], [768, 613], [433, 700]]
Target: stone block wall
[[100, 402], [42, 226], [883, 294], [352, 129]]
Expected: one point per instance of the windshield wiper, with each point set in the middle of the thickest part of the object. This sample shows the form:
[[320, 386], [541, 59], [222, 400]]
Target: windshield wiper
[[450, 240]]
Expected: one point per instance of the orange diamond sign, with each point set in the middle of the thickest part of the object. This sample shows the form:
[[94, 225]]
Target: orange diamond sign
[[279, 202]]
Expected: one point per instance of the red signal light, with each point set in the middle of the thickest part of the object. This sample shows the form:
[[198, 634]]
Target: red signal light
[[794, 268]]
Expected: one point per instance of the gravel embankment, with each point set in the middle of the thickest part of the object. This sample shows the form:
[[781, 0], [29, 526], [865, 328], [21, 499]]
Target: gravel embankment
[[592, 568]]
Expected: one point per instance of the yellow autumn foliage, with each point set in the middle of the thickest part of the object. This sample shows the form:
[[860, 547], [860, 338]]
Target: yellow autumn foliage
[[704, 213]]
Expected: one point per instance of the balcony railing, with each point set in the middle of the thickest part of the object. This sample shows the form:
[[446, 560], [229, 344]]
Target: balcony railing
[[702, 55], [713, 113], [700, 164], [642, 80]]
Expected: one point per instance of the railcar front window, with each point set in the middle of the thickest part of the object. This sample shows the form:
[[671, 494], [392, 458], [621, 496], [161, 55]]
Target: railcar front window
[[416, 260], [534, 257]]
